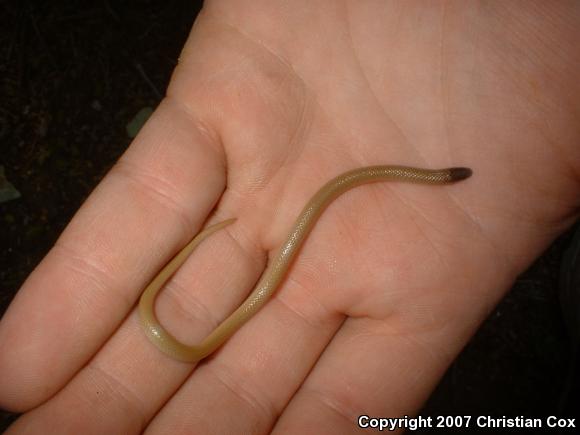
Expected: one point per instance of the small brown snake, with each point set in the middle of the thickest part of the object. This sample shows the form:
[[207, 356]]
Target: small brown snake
[[275, 272]]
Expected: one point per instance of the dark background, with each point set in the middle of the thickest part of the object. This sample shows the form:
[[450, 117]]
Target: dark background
[[73, 74]]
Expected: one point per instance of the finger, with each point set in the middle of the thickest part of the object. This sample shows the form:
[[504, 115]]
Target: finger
[[245, 386], [154, 199], [387, 367], [367, 369], [125, 384]]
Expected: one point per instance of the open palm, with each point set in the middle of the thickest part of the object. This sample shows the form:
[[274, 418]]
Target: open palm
[[266, 105]]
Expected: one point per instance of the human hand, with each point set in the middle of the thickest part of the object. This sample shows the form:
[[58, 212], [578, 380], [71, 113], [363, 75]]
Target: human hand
[[393, 280]]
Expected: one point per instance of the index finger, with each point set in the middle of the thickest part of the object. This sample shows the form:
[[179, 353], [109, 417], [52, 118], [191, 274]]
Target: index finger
[[82, 290]]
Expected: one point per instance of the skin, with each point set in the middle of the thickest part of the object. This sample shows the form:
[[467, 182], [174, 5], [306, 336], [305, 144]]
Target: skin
[[267, 104], [276, 271]]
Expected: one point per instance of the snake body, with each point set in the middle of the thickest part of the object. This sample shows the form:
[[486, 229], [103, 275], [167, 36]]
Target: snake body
[[275, 272]]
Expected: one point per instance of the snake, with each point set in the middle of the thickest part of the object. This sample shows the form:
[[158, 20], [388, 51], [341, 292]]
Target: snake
[[277, 269]]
